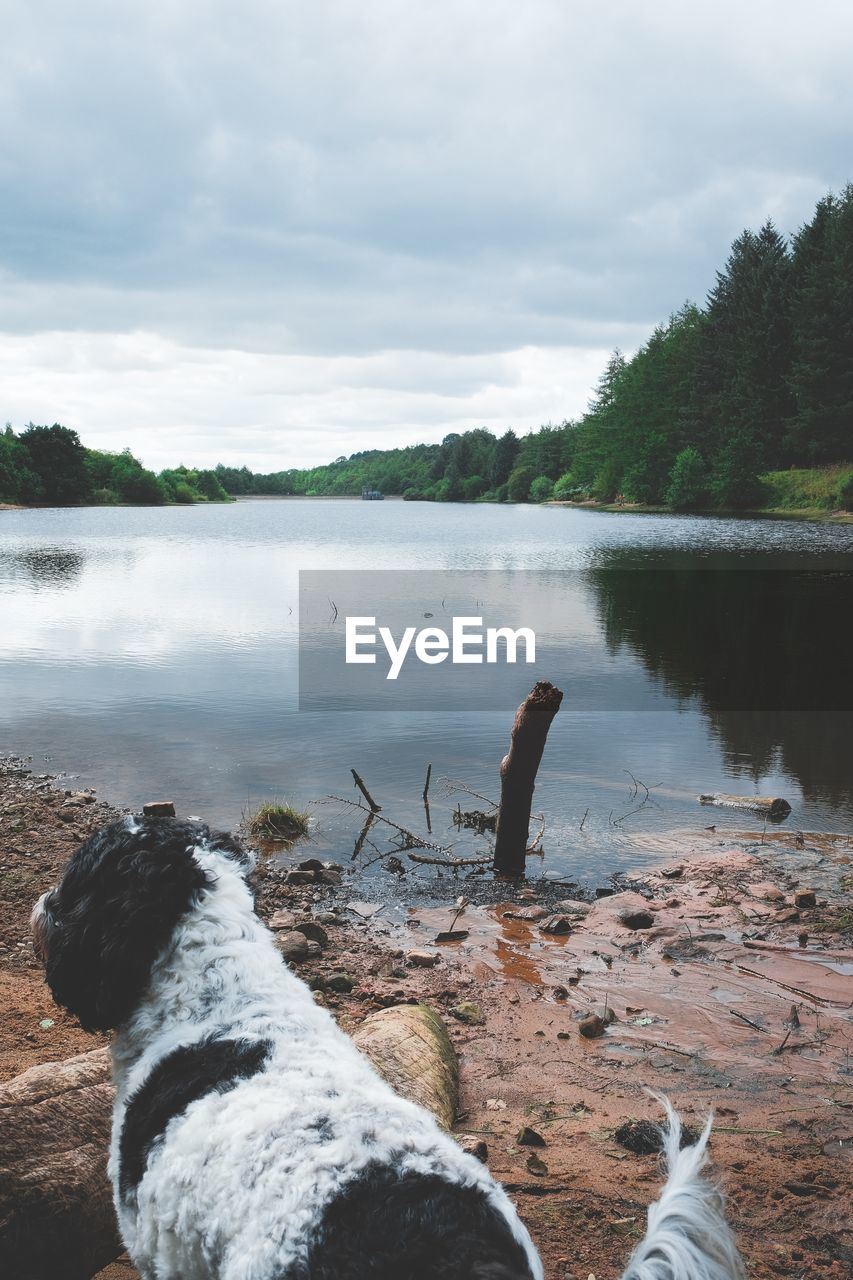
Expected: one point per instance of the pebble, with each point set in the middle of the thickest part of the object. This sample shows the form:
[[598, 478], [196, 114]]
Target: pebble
[[159, 809], [422, 959], [474, 1145], [469, 1012], [592, 1027], [292, 945], [805, 898], [528, 1137]]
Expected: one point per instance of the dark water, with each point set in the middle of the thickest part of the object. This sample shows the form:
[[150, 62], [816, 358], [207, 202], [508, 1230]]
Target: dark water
[[154, 653]]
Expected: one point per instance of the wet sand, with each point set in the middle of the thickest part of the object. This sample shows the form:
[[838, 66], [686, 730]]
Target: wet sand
[[703, 995]]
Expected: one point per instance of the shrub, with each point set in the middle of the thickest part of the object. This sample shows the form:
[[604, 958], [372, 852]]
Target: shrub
[[518, 485], [278, 822], [565, 486], [542, 489]]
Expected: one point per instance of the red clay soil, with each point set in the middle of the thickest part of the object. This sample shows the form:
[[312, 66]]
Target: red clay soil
[[703, 994]]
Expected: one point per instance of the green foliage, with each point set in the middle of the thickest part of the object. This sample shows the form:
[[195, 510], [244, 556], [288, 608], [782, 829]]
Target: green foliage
[[57, 458], [119, 477], [542, 489], [687, 487], [518, 485], [825, 488], [566, 486]]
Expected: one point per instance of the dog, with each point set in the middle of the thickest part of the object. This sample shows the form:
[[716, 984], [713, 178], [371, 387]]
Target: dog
[[251, 1140]]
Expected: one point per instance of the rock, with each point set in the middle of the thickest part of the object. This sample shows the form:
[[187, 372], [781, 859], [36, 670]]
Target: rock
[[644, 1138], [329, 875], [608, 1016], [474, 1146], [805, 898], [592, 1027], [326, 917], [637, 919], [292, 945], [789, 916], [536, 1166], [343, 983], [282, 919], [469, 1012], [314, 948], [159, 809], [300, 877], [672, 873], [527, 913], [556, 925], [422, 959], [451, 935], [311, 864], [604, 891], [528, 1137], [313, 931]]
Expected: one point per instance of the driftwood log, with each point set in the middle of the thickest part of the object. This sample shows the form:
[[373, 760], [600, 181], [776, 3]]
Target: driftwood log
[[518, 776], [770, 806], [56, 1213]]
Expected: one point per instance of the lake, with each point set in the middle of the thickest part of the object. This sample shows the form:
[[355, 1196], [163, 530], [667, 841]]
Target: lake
[[154, 653]]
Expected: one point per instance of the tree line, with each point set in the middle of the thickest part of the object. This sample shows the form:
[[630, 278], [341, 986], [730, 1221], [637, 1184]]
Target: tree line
[[49, 466], [734, 404]]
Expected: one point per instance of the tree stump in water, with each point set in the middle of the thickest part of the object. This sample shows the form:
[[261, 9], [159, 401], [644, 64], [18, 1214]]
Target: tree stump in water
[[57, 1220], [518, 776]]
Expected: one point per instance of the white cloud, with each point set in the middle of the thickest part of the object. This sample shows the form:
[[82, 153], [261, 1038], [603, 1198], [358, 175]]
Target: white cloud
[[220, 191]]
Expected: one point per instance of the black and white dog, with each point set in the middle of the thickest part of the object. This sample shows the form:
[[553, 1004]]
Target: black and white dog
[[251, 1140]]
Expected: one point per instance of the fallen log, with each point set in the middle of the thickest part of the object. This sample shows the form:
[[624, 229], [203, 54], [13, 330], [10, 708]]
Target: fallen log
[[769, 806], [518, 776], [56, 1213], [56, 1209], [410, 1048]]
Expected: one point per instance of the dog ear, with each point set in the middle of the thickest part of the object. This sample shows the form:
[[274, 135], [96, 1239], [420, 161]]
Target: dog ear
[[122, 895]]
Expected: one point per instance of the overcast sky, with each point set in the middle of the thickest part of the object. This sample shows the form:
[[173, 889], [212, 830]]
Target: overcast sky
[[274, 232]]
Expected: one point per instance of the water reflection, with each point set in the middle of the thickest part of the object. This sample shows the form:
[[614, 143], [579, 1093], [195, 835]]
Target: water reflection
[[764, 647], [43, 566]]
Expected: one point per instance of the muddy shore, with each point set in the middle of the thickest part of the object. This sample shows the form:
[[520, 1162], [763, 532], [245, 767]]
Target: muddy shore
[[710, 982]]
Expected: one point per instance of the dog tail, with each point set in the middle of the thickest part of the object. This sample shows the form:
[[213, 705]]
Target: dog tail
[[687, 1237]]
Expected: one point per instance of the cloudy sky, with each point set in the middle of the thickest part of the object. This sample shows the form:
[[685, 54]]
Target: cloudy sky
[[277, 231]]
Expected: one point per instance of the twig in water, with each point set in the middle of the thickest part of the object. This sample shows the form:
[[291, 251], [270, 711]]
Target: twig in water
[[334, 616], [584, 818], [426, 784], [375, 808]]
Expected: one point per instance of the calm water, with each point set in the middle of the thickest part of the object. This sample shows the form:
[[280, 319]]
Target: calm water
[[153, 653]]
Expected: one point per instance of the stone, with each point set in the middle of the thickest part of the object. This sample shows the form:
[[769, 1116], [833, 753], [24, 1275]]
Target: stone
[[528, 1137], [637, 919], [422, 959], [536, 1166], [282, 919], [313, 932], [527, 913], [292, 945], [474, 1146], [310, 864], [300, 877], [159, 809], [469, 1012], [805, 898], [789, 916], [557, 925], [343, 983], [314, 949], [329, 875], [592, 1027]]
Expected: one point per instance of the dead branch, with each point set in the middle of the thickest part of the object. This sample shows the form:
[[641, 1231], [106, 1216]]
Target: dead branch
[[375, 808]]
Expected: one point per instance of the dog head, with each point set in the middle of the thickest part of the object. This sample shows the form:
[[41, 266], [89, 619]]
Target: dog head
[[100, 930]]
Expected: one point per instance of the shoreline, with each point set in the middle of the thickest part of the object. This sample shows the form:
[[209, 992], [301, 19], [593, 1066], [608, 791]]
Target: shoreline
[[701, 986]]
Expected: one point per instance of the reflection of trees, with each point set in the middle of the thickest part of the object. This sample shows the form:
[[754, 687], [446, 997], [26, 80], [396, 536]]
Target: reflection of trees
[[765, 651], [48, 566]]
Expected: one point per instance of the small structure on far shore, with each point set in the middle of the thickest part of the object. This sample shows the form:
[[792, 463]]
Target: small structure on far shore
[[372, 495]]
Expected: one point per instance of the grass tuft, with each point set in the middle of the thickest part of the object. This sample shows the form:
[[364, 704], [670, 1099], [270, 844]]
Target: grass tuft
[[278, 822]]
